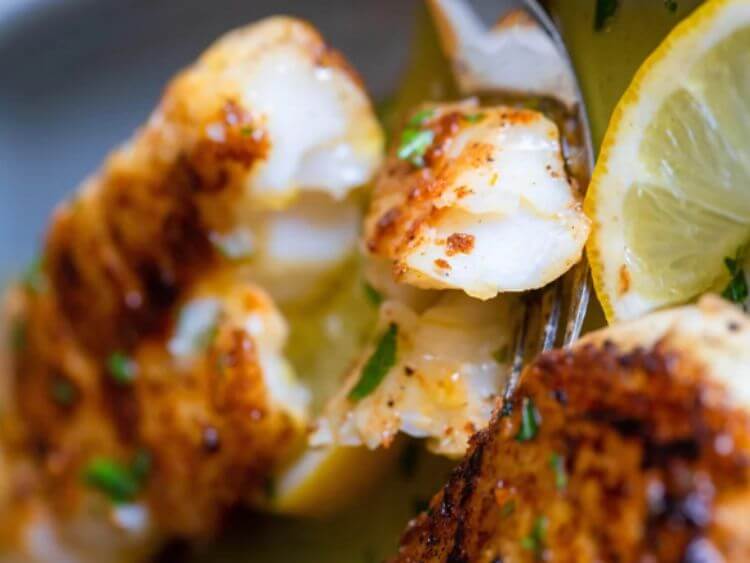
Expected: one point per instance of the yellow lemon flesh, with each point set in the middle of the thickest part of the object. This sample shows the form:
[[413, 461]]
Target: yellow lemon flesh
[[670, 195], [323, 481]]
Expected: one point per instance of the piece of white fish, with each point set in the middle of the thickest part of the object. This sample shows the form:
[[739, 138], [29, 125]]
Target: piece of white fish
[[489, 209], [451, 362]]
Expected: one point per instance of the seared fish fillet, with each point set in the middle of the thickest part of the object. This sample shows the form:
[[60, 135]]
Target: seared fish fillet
[[149, 392], [209, 415], [450, 362], [632, 446], [477, 199]]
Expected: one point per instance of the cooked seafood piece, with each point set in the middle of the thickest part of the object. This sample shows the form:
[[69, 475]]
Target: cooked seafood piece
[[477, 199], [159, 441], [433, 373], [631, 446], [188, 187], [149, 392], [516, 55]]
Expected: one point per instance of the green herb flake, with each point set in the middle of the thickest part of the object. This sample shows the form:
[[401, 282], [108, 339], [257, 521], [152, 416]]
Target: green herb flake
[[508, 508], [120, 482], [372, 294], [63, 392], [121, 368], [33, 278], [474, 117], [420, 118], [557, 463], [378, 365], [737, 290], [671, 5], [534, 541], [414, 145], [605, 10], [115, 480], [529, 421], [246, 131]]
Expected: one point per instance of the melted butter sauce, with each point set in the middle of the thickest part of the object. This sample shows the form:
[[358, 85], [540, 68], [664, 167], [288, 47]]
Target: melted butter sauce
[[368, 532]]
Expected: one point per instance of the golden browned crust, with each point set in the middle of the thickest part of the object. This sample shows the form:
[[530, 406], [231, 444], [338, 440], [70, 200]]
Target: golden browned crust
[[404, 196], [209, 427], [119, 256], [119, 260], [638, 456]]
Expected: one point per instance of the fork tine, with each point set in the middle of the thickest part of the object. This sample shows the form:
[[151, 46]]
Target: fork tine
[[519, 353], [579, 301], [472, 51], [550, 314]]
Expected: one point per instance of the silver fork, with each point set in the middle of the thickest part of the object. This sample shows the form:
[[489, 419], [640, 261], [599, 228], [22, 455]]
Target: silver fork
[[525, 55]]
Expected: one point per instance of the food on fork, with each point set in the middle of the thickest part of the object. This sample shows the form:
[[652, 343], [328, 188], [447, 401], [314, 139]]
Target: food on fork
[[632, 445], [149, 391], [433, 373], [474, 199], [477, 199]]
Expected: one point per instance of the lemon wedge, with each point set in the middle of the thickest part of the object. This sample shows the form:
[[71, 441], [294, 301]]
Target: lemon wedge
[[670, 194], [323, 481]]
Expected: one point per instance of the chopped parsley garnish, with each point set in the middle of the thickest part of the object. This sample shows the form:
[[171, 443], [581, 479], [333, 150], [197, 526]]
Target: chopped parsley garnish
[[33, 277], [508, 508], [372, 294], [529, 421], [420, 118], [534, 541], [737, 290], [670, 5], [246, 131], [605, 9], [414, 140], [121, 368], [115, 480], [557, 463], [414, 145], [474, 117], [377, 366], [120, 482], [63, 391]]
